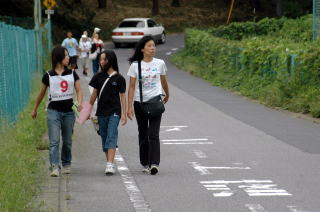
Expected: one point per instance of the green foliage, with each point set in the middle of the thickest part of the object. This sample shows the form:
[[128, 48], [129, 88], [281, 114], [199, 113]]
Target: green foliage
[[280, 68], [20, 162], [239, 31], [295, 29]]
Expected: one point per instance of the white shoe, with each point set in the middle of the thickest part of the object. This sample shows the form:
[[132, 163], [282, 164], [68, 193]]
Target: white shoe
[[109, 169], [154, 169], [146, 169], [66, 170], [55, 171]]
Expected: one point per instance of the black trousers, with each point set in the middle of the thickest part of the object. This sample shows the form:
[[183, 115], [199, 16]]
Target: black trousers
[[149, 142]]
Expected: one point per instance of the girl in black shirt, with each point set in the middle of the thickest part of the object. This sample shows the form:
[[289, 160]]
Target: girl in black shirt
[[62, 83], [111, 104]]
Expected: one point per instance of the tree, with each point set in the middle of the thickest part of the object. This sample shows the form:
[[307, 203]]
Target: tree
[[255, 4], [279, 7], [175, 3], [102, 4], [155, 7]]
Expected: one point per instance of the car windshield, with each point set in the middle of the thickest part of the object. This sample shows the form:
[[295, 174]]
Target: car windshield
[[137, 24]]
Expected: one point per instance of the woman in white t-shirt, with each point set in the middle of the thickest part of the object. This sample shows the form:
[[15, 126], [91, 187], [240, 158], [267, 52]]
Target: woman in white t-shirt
[[153, 72]]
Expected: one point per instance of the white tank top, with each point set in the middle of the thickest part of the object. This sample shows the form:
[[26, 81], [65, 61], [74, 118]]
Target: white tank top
[[61, 87]]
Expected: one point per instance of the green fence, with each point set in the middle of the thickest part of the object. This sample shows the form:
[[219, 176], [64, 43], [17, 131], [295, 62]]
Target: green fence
[[316, 19], [23, 53]]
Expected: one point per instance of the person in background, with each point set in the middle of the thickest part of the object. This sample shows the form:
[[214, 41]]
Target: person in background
[[86, 34], [99, 48], [71, 44], [83, 61], [62, 83], [153, 73]]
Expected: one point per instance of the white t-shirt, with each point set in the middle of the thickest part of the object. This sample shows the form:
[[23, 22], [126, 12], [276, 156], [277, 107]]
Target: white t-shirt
[[85, 46], [151, 83]]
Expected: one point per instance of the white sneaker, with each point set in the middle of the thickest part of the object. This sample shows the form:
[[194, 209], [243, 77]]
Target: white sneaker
[[55, 171], [154, 169], [66, 170], [146, 169], [109, 169]]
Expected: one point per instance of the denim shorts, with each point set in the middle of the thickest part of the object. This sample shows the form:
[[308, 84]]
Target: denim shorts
[[108, 128]]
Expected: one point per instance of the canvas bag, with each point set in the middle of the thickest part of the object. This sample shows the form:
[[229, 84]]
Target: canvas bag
[[153, 107]]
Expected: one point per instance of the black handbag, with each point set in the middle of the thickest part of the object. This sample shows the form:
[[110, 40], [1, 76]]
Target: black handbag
[[154, 106]]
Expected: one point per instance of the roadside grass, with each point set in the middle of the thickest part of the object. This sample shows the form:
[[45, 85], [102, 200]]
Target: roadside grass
[[21, 163], [296, 98]]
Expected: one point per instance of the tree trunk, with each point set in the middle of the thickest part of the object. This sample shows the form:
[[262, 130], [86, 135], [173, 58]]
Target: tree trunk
[[102, 4], [279, 8], [175, 3], [155, 7]]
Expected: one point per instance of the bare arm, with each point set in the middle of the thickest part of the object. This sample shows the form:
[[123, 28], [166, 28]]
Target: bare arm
[[165, 87], [79, 94], [132, 85], [93, 96], [124, 108], [38, 100]]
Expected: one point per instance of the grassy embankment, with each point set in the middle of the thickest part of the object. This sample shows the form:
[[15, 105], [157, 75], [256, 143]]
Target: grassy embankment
[[273, 61], [21, 159]]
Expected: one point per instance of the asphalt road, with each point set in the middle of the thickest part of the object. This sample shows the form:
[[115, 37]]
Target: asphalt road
[[219, 152]]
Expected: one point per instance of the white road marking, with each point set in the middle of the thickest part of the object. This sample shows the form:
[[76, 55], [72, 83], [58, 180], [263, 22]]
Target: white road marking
[[200, 154], [192, 139], [217, 187], [174, 49], [235, 181], [204, 170], [135, 195], [182, 126], [173, 128], [264, 190], [223, 194], [255, 208], [187, 143], [168, 53], [253, 188], [294, 209]]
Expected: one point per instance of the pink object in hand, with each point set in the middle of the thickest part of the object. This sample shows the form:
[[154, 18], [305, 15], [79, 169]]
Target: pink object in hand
[[85, 112]]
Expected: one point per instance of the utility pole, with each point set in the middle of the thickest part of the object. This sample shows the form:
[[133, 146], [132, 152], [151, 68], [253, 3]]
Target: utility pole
[[37, 23], [35, 15], [49, 4]]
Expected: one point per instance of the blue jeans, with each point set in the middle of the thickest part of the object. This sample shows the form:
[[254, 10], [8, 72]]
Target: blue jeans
[[60, 122], [95, 65], [108, 128]]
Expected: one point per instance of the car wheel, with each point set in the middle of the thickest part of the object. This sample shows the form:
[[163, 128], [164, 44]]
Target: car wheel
[[117, 45], [163, 38]]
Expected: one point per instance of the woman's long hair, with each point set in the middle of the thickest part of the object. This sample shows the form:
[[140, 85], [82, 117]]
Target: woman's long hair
[[57, 56], [112, 61], [138, 55]]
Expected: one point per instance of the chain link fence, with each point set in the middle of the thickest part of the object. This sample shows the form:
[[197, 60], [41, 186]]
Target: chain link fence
[[23, 52], [316, 19]]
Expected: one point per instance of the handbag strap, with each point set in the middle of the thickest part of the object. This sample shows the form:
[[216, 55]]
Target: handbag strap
[[105, 82], [140, 81]]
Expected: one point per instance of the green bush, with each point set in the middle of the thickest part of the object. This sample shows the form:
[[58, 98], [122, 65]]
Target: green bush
[[281, 68], [295, 29]]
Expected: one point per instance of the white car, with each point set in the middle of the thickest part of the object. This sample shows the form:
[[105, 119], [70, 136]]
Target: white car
[[131, 30]]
